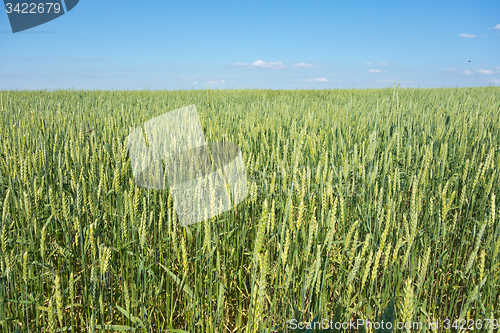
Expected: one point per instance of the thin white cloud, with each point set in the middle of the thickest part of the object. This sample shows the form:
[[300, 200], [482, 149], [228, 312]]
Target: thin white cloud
[[408, 81], [467, 35], [495, 81], [79, 58], [382, 64], [262, 64], [497, 67], [303, 65], [485, 71], [216, 82], [373, 70], [385, 81], [466, 73], [496, 27], [368, 63], [318, 79], [190, 79], [452, 69], [272, 65]]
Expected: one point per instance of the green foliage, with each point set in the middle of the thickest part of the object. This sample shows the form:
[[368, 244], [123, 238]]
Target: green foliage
[[84, 249]]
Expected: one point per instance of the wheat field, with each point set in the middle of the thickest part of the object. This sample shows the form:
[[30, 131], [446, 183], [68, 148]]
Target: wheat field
[[361, 204]]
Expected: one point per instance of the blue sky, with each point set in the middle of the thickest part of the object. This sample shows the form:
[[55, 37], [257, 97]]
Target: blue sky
[[256, 44]]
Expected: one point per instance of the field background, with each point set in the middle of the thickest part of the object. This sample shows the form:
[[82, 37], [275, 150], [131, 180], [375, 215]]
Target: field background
[[393, 198]]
